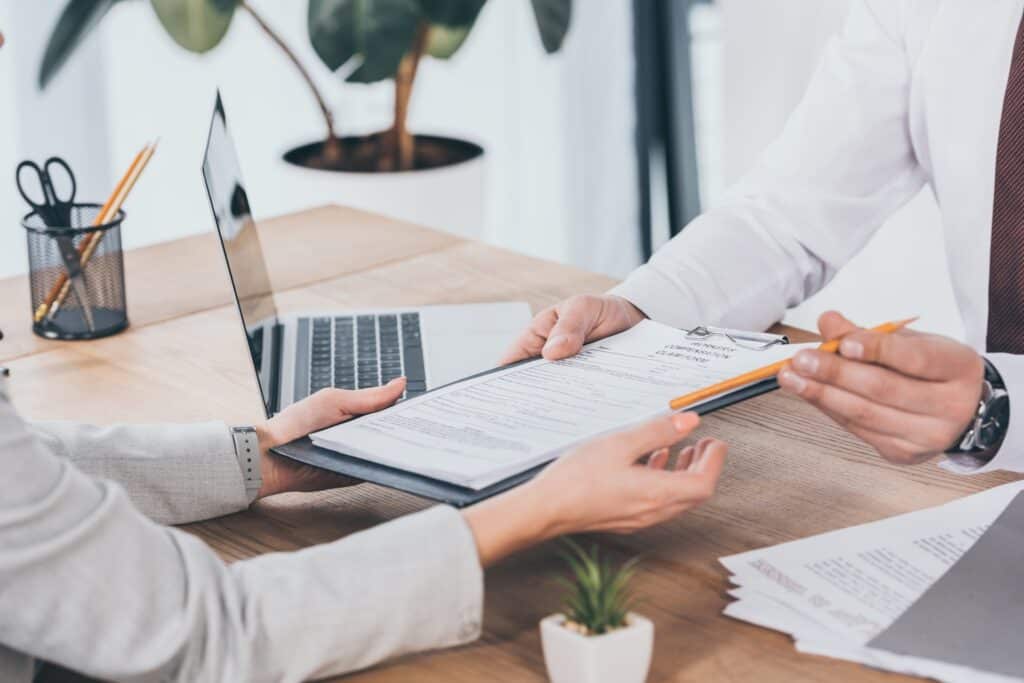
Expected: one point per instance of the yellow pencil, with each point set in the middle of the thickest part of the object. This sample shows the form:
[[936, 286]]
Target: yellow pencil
[[767, 371], [62, 284], [107, 213]]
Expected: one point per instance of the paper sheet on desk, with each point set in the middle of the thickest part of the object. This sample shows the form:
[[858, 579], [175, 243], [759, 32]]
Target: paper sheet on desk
[[834, 592], [483, 430]]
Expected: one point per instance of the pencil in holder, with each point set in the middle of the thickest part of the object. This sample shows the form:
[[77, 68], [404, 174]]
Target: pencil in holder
[[76, 275]]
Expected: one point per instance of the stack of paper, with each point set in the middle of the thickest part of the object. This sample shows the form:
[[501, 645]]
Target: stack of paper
[[482, 430], [835, 592]]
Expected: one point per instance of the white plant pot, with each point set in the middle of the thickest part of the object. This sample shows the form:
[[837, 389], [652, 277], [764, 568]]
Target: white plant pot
[[622, 656], [449, 198]]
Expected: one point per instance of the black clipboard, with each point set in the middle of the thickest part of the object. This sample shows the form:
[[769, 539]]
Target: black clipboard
[[303, 450]]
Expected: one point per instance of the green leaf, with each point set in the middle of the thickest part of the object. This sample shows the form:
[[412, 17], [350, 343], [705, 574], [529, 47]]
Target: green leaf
[[196, 25], [443, 41], [381, 32], [77, 20], [553, 17], [598, 595], [452, 13]]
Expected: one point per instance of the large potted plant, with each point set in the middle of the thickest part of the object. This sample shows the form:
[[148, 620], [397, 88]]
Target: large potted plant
[[196, 25], [596, 638], [434, 180], [431, 179]]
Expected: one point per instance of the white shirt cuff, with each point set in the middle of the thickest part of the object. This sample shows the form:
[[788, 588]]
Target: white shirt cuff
[[650, 291], [1011, 453]]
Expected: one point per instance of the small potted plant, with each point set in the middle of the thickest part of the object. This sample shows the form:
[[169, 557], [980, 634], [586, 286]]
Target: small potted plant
[[597, 639]]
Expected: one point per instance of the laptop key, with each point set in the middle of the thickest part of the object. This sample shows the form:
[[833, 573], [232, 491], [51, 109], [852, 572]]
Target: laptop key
[[414, 369]]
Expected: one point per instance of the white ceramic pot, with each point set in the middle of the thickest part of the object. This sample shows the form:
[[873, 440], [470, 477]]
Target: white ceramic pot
[[449, 198], [622, 656]]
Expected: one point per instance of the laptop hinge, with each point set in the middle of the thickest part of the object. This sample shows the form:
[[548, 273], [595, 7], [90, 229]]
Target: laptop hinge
[[275, 368]]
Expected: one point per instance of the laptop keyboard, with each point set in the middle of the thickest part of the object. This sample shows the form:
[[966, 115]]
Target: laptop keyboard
[[357, 352]]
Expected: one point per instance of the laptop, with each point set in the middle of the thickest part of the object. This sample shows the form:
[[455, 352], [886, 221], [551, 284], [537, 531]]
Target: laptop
[[295, 355]]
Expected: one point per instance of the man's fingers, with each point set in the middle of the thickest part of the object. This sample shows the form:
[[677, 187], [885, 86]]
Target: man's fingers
[[849, 410], [576, 317], [533, 338], [834, 325], [928, 357], [659, 433], [895, 449], [874, 382]]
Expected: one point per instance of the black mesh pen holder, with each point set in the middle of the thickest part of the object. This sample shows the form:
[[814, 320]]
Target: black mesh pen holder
[[76, 275]]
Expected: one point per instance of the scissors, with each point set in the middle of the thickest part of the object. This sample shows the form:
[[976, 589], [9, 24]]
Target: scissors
[[55, 211]]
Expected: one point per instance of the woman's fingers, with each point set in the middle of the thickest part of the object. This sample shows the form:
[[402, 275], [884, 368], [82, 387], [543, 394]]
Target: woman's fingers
[[634, 443], [684, 458], [362, 401], [658, 459], [328, 407], [666, 490], [710, 458]]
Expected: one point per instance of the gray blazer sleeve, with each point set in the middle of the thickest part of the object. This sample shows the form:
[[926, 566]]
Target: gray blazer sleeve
[[90, 583], [173, 474]]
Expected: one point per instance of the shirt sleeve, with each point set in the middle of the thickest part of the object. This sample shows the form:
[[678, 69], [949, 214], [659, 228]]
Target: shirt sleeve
[[116, 596], [1011, 453], [842, 165], [172, 473]]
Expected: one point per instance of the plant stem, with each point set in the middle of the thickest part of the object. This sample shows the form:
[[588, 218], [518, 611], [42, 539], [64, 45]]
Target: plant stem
[[402, 142], [332, 145]]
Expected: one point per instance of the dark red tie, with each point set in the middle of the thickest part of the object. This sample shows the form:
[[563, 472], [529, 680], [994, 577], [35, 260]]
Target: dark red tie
[[1006, 262]]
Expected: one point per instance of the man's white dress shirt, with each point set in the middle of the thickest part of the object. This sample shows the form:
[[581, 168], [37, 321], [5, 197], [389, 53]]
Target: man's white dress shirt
[[910, 93]]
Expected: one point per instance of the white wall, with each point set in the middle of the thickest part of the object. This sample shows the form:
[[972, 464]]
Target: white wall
[[500, 90], [770, 49], [69, 121]]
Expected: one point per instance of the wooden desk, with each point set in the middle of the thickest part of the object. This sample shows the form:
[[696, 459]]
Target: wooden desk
[[791, 473]]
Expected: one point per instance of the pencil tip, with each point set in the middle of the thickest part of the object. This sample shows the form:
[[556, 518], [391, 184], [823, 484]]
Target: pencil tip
[[908, 321]]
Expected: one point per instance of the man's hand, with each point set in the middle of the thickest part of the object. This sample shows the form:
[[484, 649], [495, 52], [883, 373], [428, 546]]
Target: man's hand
[[323, 409], [908, 394], [561, 330]]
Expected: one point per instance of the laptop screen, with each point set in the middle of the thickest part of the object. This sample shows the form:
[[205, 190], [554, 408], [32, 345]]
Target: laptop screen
[[240, 240]]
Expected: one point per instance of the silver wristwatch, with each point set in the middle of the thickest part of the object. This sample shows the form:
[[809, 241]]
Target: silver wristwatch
[[247, 449], [984, 434]]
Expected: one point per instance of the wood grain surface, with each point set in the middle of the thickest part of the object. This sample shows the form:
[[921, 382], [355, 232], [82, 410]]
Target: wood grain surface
[[791, 472]]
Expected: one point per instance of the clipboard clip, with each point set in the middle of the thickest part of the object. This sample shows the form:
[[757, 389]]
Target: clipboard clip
[[753, 341]]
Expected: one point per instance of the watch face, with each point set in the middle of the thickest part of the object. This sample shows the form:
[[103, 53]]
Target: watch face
[[997, 418]]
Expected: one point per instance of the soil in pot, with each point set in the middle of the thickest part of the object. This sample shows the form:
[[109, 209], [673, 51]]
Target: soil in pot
[[363, 154]]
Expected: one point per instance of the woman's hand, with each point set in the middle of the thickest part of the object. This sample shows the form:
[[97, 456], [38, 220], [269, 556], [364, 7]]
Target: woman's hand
[[323, 409], [602, 486]]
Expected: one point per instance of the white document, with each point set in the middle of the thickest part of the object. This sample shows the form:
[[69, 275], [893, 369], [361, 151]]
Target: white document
[[480, 431], [834, 592]]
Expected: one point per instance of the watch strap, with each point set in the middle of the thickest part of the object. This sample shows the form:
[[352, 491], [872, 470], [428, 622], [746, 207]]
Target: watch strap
[[247, 450], [984, 434]]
